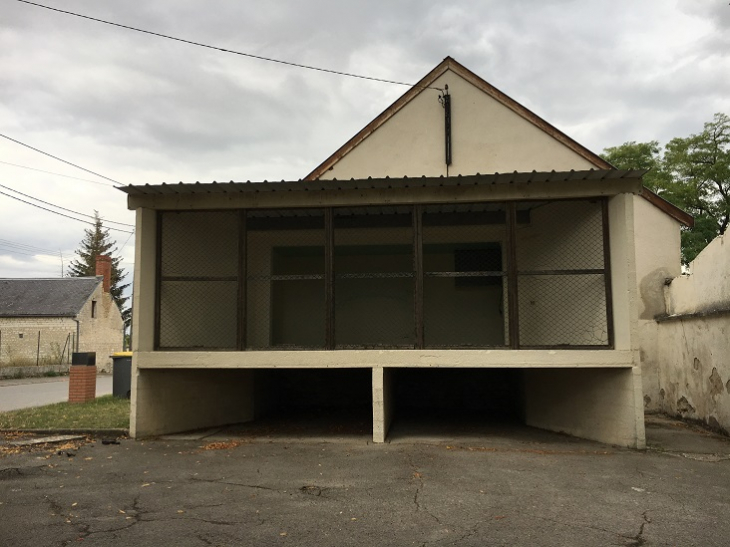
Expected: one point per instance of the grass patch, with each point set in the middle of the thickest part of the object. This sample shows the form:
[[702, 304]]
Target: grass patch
[[107, 412]]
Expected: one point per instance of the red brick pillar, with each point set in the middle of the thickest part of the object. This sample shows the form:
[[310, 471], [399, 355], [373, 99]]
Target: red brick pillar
[[82, 382]]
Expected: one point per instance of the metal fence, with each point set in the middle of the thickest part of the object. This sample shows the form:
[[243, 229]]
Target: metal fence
[[513, 274]]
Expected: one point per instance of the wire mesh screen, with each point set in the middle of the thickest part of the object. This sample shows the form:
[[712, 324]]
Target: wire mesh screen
[[465, 283], [198, 280], [285, 300], [561, 276], [456, 290], [374, 277]]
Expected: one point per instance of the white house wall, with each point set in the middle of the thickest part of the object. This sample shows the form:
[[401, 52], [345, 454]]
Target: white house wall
[[487, 137]]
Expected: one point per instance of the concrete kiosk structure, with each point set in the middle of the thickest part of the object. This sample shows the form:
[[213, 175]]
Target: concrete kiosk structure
[[510, 294]]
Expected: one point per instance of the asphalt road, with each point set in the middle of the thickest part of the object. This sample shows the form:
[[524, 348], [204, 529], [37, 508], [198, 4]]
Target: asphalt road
[[533, 489], [29, 392]]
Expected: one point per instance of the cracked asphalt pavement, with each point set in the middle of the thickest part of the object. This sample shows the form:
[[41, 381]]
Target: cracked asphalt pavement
[[531, 489]]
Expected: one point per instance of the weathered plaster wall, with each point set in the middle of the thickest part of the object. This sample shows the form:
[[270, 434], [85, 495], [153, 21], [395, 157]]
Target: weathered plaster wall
[[693, 344], [657, 259], [487, 137]]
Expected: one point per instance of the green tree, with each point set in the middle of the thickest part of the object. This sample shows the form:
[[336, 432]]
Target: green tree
[[639, 155], [96, 242], [693, 173], [699, 170]]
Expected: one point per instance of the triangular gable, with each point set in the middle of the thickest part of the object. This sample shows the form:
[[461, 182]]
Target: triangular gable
[[585, 158], [422, 86]]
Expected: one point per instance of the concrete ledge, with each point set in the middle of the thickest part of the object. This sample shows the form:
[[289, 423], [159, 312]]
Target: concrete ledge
[[387, 358]]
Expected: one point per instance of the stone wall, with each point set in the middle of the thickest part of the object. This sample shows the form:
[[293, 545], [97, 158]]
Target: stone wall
[[19, 340], [693, 342]]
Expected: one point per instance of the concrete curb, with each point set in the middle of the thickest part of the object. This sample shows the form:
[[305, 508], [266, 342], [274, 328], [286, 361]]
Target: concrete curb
[[93, 432]]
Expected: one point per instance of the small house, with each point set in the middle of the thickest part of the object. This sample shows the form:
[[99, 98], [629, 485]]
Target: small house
[[458, 256], [43, 321]]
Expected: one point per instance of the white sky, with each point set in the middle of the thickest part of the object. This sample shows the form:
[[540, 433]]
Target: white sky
[[141, 109]]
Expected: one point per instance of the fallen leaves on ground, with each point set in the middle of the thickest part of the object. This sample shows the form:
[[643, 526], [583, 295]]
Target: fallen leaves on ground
[[221, 445]]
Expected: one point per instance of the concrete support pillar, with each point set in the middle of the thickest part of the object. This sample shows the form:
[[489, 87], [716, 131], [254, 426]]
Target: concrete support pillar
[[603, 405], [383, 402], [143, 299], [170, 401]]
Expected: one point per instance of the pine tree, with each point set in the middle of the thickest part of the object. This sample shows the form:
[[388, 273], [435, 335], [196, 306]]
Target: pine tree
[[96, 242]]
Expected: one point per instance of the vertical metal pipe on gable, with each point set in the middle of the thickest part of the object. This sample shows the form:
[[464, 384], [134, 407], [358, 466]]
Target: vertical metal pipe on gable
[[418, 270], [447, 125], [329, 277], [607, 272], [242, 279], [512, 292]]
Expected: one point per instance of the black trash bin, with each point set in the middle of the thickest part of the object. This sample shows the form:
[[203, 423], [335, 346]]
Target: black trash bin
[[122, 374]]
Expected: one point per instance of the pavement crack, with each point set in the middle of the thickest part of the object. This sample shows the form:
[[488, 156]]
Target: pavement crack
[[638, 540], [240, 485], [204, 539], [580, 526], [418, 494]]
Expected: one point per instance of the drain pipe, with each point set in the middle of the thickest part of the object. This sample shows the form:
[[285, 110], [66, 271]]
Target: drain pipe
[[78, 335]]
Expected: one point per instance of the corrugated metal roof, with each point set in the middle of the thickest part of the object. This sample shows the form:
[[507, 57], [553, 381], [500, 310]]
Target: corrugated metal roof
[[591, 175], [56, 297]]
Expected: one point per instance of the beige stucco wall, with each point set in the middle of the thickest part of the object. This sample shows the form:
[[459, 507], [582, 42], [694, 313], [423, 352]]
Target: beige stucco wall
[[104, 333], [600, 404], [657, 259], [56, 335], [487, 137], [167, 401], [694, 377]]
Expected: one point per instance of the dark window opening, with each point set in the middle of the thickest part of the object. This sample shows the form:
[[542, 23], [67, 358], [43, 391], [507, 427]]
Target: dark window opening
[[93, 309], [484, 260]]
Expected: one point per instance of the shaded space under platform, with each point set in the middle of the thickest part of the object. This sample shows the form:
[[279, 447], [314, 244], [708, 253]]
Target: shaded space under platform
[[464, 428]]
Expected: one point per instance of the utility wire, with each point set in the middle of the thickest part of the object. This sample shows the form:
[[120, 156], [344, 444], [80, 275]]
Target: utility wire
[[59, 159], [57, 174], [64, 209], [61, 214], [15, 251], [25, 247], [250, 55]]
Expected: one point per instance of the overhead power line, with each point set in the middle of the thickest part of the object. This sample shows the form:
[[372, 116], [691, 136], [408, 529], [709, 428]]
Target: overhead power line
[[60, 214], [64, 209], [60, 159], [57, 174], [234, 52], [26, 247], [14, 251]]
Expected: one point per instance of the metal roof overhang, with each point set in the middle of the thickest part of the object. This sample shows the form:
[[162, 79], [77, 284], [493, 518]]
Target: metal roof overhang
[[391, 190]]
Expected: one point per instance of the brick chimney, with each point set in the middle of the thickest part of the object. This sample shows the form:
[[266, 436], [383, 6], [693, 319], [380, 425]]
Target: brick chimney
[[104, 268]]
